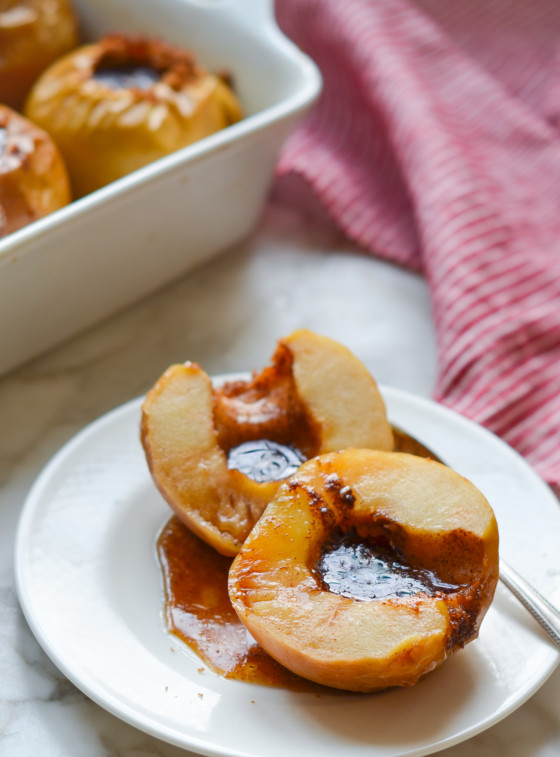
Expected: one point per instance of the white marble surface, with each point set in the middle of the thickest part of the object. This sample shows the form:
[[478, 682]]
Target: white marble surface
[[226, 316]]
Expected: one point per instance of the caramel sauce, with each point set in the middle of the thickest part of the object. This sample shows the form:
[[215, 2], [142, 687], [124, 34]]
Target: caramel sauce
[[266, 407], [263, 460], [403, 442], [127, 77], [199, 612], [361, 569]]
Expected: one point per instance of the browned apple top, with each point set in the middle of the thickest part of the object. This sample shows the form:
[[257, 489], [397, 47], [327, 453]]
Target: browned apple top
[[266, 407], [142, 61]]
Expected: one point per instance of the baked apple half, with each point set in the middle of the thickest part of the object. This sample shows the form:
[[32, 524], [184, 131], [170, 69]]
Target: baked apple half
[[125, 101], [218, 455], [368, 569]]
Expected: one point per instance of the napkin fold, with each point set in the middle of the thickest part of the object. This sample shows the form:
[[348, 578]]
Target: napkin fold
[[435, 144]]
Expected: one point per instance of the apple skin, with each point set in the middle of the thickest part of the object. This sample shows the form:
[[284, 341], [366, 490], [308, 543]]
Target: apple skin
[[436, 518], [315, 394]]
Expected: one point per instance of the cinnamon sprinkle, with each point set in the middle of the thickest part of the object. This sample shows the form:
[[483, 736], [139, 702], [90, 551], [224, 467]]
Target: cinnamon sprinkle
[[176, 67]]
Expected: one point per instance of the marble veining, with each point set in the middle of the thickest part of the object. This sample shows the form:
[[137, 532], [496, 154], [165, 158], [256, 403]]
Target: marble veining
[[225, 315]]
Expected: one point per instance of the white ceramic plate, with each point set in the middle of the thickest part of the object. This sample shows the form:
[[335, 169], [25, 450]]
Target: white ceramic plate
[[90, 588]]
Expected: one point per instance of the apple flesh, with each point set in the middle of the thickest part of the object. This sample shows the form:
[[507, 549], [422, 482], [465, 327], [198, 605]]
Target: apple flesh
[[315, 395], [428, 515]]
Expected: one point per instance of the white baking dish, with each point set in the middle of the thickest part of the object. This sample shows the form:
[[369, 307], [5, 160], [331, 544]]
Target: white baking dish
[[101, 253]]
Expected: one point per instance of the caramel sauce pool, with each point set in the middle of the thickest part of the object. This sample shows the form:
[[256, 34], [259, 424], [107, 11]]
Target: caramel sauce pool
[[198, 610]]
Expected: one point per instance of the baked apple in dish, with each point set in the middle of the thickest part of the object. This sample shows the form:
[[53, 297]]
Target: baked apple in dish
[[33, 178], [33, 34], [218, 454], [125, 101], [368, 569]]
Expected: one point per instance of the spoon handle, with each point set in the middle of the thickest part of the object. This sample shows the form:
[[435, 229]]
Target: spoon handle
[[539, 607]]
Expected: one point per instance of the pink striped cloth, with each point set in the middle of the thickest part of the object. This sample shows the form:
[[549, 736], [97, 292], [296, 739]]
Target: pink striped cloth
[[436, 145]]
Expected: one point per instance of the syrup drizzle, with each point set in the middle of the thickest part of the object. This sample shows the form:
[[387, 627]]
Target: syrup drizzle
[[199, 612], [263, 460], [354, 568]]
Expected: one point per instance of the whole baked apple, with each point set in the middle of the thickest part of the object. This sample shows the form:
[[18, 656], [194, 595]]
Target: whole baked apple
[[367, 569], [33, 177], [33, 34], [125, 101], [208, 448]]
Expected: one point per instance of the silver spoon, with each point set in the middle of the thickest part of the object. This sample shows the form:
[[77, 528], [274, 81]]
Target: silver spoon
[[539, 607]]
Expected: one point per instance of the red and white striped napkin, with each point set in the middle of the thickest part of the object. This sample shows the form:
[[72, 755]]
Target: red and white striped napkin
[[436, 144]]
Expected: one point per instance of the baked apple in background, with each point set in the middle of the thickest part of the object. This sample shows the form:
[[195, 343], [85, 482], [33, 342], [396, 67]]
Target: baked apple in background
[[207, 447], [33, 178], [367, 569], [33, 34], [125, 101]]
